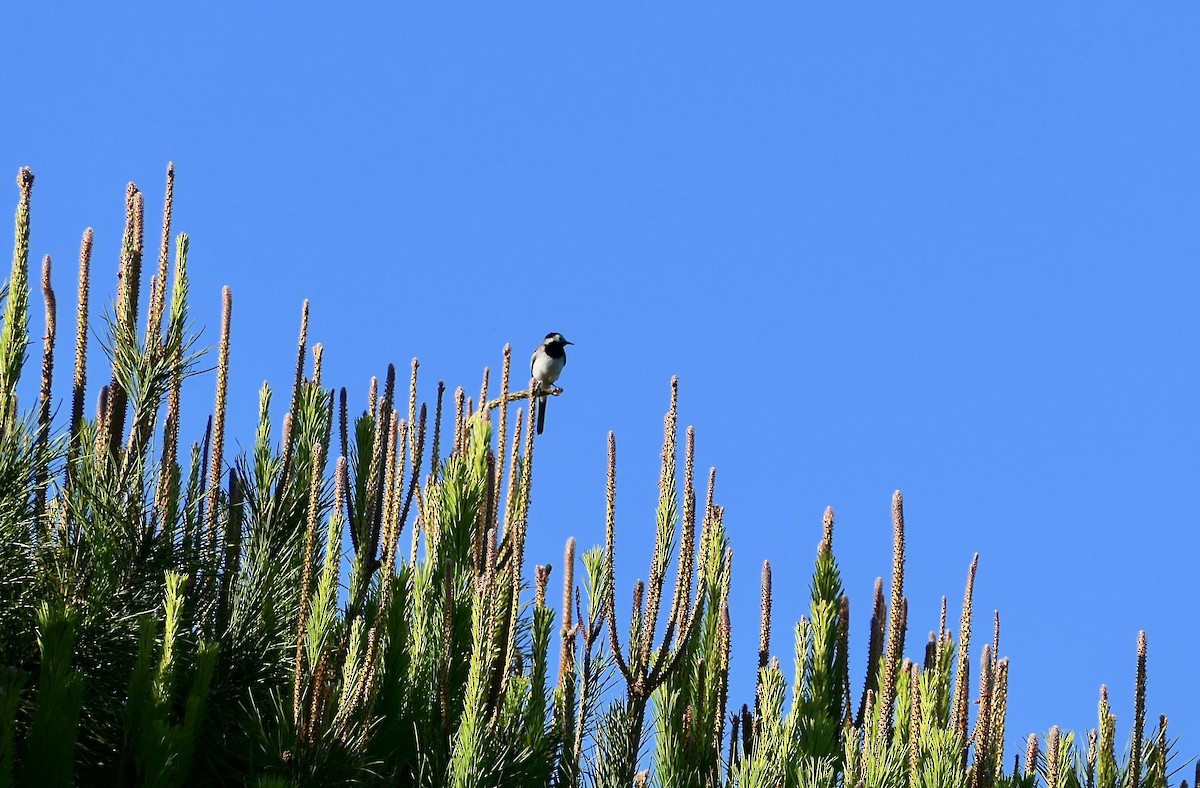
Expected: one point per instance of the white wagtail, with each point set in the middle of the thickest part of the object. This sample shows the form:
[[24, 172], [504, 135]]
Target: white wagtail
[[545, 367]]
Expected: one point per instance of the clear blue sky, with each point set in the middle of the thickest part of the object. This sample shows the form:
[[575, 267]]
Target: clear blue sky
[[948, 250]]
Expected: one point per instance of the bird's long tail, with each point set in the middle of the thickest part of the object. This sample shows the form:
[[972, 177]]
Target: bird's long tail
[[541, 414]]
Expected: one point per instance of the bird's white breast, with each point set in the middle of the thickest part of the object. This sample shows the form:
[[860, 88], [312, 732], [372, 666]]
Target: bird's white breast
[[545, 368]]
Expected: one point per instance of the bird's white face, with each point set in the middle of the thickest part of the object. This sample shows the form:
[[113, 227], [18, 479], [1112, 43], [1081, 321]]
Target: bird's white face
[[555, 339]]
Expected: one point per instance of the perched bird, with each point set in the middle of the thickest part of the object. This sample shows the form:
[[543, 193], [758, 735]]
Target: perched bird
[[545, 367]]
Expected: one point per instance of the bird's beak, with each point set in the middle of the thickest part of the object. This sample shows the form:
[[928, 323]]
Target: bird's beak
[[568, 343]]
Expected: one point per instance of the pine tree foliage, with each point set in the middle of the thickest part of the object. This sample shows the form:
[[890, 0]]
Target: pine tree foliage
[[348, 602]]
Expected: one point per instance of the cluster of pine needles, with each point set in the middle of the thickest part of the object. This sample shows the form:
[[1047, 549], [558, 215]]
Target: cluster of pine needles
[[172, 616]]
